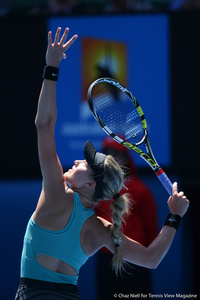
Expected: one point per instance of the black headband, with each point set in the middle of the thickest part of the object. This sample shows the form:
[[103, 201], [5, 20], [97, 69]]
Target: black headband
[[96, 161]]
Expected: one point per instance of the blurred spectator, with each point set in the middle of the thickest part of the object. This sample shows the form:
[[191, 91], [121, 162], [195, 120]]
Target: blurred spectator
[[66, 7], [185, 5], [141, 225], [160, 5], [55, 7], [176, 4], [191, 5], [116, 6], [122, 6]]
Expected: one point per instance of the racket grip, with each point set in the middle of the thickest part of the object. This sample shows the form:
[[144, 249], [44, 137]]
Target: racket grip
[[165, 181]]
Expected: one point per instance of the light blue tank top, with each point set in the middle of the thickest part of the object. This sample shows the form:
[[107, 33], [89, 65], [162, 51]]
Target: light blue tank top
[[63, 244]]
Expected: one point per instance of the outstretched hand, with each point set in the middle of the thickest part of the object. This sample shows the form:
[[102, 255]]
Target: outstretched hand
[[178, 203], [56, 50]]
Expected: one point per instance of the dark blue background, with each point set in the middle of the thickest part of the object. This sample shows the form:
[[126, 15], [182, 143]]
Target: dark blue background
[[147, 41]]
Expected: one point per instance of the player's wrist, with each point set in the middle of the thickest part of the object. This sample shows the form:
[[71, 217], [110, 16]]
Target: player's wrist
[[50, 73], [173, 220]]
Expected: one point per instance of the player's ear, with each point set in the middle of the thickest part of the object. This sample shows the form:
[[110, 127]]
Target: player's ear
[[91, 184]]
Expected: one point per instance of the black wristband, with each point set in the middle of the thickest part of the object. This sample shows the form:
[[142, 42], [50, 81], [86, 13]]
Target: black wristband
[[50, 73], [173, 220]]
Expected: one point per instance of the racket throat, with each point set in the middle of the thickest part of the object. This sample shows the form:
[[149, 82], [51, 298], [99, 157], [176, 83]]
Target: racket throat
[[158, 171]]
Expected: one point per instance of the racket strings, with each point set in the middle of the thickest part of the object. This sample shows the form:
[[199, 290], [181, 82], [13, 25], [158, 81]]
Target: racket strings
[[117, 111]]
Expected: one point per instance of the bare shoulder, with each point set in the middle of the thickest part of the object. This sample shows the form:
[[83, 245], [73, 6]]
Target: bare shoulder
[[99, 225], [55, 208], [96, 234]]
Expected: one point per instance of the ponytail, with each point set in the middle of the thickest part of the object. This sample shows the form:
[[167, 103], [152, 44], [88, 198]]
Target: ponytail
[[120, 206], [113, 183]]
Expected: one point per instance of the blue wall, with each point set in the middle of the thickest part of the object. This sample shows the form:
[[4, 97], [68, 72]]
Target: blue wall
[[148, 48]]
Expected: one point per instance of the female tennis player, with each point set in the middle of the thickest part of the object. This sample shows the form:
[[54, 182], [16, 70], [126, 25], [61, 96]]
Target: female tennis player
[[64, 231]]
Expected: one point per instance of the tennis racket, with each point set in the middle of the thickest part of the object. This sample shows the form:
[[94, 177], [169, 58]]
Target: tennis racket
[[121, 117]]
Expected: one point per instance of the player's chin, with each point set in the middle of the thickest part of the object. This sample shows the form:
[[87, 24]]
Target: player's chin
[[67, 174]]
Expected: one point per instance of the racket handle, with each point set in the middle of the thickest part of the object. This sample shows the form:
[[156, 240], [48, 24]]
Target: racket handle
[[165, 181]]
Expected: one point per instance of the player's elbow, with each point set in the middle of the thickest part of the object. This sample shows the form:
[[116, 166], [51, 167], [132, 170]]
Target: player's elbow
[[42, 123], [153, 262], [153, 265]]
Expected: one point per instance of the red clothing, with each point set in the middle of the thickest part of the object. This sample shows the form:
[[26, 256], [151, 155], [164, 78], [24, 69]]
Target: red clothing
[[141, 223]]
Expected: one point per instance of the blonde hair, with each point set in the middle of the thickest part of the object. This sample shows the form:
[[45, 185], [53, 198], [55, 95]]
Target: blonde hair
[[113, 183]]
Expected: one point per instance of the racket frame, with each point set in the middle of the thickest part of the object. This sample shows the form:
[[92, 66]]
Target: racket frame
[[148, 157]]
